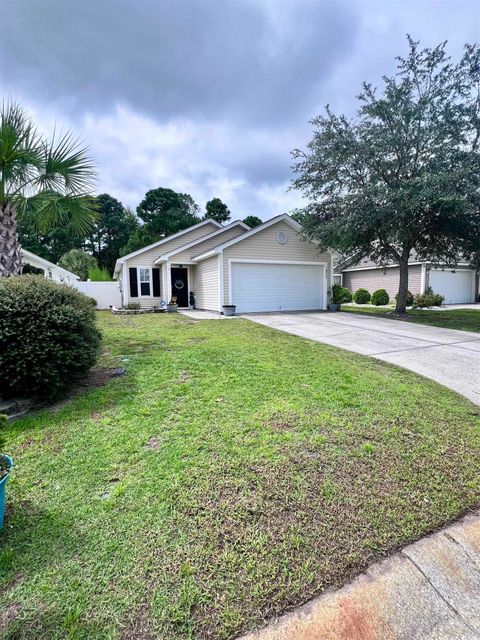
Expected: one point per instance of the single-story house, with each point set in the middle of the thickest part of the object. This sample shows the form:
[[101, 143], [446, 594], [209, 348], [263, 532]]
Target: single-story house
[[458, 285], [50, 270], [272, 267]]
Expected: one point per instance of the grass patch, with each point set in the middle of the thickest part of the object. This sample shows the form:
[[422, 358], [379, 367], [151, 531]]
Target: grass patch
[[232, 473], [462, 319]]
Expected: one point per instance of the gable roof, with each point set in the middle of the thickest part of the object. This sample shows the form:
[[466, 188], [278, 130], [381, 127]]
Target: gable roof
[[121, 260], [184, 247], [28, 255], [284, 217]]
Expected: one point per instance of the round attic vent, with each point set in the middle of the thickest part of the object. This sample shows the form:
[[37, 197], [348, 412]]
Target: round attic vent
[[282, 237]]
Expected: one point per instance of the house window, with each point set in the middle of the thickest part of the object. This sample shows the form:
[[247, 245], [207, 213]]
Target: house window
[[144, 276]]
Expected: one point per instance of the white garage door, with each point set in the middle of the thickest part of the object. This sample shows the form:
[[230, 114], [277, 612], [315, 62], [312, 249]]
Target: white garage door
[[276, 287], [457, 286]]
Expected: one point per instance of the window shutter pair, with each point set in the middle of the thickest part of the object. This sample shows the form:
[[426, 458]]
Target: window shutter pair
[[132, 272]]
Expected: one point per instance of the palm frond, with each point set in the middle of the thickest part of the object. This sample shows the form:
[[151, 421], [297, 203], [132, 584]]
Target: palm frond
[[54, 177], [66, 166], [75, 212], [20, 150]]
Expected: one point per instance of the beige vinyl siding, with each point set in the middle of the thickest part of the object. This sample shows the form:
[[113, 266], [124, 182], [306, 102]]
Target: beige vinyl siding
[[387, 278], [147, 259], [207, 245], [264, 246], [206, 284]]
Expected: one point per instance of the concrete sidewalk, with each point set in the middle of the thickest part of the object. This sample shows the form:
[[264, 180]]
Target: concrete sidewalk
[[447, 356], [428, 591]]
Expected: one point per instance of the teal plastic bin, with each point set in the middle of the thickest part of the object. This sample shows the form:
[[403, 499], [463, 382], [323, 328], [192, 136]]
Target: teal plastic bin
[[3, 484]]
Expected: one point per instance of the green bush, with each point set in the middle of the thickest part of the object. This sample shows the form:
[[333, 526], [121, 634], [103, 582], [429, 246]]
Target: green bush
[[48, 337], [132, 306], [409, 298], [380, 297], [97, 274], [340, 295], [361, 296], [428, 299]]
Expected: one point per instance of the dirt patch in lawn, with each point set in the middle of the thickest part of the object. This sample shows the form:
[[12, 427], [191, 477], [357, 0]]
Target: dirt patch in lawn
[[154, 443], [8, 615], [283, 421], [95, 378]]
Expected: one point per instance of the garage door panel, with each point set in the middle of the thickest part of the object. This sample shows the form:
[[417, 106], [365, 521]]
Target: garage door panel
[[456, 286], [276, 287]]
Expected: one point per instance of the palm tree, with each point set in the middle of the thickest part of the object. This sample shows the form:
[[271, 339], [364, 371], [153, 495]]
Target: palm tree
[[54, 178]]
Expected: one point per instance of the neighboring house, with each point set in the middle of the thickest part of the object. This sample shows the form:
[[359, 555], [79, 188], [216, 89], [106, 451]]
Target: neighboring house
[[458, 285], [272, 267], [50, 271]]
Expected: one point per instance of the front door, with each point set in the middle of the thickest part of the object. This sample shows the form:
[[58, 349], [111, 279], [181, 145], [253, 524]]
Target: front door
[[180, 285]]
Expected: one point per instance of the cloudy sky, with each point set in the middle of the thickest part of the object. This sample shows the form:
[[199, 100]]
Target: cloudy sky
[[207, 97]]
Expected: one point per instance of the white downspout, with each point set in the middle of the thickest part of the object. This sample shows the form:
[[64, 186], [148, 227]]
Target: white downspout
[[125, 284], [423, 277], [221, 283]]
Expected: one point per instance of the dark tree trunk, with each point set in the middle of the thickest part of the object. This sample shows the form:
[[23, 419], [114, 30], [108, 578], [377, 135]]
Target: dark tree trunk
[[10, 256], [401, 306]]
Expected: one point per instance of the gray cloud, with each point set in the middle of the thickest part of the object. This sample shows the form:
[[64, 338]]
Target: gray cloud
[[203, 58], [207, 96]]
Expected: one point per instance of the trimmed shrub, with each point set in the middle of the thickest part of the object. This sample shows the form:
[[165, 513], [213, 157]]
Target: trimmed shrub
[[132, 306], [428, 299], [380, 297], [410, 298], [48, 337], [361, 296], [340, 295]]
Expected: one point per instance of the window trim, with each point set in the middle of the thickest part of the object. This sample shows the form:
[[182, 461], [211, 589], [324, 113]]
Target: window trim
[[150, 282]]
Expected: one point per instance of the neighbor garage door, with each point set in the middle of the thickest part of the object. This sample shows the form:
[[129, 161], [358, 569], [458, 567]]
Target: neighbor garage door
[[457, 287], [276, 287]]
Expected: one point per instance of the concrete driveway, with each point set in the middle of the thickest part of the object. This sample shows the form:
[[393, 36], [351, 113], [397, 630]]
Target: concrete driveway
[[449, 357]]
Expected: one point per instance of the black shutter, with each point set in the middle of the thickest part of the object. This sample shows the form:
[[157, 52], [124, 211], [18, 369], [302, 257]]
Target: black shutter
[[156, 282], [133, 282]]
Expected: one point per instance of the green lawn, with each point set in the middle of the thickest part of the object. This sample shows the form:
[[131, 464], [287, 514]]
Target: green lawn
[[462, 319], [231, 474]]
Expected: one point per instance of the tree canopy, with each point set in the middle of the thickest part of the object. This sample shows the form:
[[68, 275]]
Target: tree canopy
[[78, 262], [51, 245], [110, 232], [217, 210], [165, 211], [402, 178], [252, 221]]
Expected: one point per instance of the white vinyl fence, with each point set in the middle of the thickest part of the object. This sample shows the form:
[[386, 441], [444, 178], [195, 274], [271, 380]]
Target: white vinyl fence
[[107, 294]]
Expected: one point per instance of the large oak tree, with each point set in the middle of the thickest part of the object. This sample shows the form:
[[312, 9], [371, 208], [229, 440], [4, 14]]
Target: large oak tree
[[402, 178]]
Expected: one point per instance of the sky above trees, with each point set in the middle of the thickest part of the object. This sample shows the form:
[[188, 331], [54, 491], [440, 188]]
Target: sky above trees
[[207, 97]]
